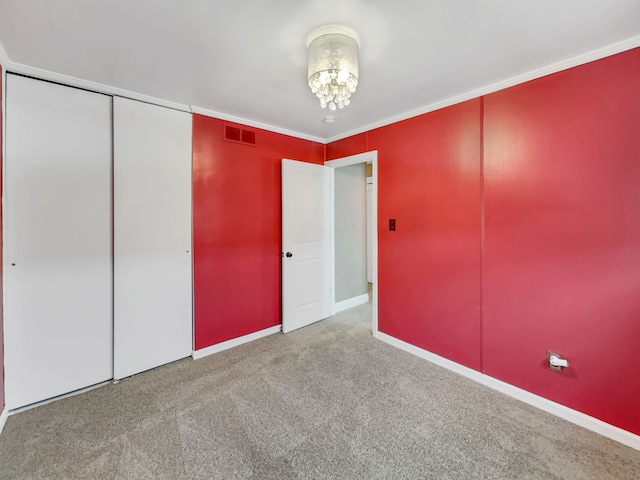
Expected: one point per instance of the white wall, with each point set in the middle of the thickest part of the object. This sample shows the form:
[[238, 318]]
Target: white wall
[[350, 231]]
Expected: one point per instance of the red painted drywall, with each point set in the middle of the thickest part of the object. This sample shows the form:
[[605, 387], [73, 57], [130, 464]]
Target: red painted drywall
[[236, 229], [562, 237], [347, 146], [561, 248], [429, 267]]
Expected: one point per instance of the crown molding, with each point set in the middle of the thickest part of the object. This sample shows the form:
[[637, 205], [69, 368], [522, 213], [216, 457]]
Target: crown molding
[[14, 67], [501, 85], [255, 124], [19, 68], [4, 59]]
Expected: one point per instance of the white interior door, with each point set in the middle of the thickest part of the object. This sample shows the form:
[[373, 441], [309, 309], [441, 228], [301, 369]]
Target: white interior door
[[306, 237], [152, 236], [57, 232]]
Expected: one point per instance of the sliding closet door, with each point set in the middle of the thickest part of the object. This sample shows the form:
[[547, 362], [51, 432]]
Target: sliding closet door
[[152, 236], [58, 268]]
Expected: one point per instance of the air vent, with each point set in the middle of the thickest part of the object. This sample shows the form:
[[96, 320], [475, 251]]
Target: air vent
[[232, 133], [239, 135], [249, 137]]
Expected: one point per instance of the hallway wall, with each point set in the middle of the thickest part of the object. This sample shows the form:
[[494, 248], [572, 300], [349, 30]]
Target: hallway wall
[[350, 231]]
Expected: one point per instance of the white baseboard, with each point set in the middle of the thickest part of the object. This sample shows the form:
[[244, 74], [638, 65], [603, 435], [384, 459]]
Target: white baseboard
[[234, 342], [350, 303], [590, 423], [3, 417]]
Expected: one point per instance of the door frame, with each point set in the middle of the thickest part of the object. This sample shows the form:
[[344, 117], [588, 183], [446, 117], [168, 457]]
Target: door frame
[[366, 157]]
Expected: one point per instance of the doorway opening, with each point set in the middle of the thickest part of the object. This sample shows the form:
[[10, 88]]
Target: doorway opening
[[370, 162]]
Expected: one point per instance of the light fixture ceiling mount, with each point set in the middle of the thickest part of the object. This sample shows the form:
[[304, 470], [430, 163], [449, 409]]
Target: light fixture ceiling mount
[[333, 64]]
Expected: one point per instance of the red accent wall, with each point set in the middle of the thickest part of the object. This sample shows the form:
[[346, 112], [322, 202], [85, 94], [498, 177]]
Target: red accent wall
[[518, 231], [348, 146], [562, 237], [236, 229], [429, 267]]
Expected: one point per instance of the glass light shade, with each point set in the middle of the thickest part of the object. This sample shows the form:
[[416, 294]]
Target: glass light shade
[[333, 69]]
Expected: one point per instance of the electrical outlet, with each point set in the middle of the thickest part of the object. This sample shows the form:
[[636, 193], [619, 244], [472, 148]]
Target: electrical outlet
[[555, 368], [392, 224]]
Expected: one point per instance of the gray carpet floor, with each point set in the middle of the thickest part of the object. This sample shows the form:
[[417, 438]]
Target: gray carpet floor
[[325, 402]]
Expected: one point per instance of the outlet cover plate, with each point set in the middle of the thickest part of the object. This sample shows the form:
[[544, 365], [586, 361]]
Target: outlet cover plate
[[552, 367]]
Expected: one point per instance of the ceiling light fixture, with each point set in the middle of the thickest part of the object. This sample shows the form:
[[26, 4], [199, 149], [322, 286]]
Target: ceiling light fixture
[[333, 64]]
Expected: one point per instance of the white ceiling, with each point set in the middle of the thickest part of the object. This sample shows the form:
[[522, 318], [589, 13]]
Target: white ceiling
[[247, 59]]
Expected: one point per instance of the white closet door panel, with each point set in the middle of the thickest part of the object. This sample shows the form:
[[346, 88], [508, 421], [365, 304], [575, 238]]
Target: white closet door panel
[[58, 267], [152, 236]]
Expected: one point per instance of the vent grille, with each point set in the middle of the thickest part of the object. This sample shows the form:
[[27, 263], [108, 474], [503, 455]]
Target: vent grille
[[239, 135], [249, 136]]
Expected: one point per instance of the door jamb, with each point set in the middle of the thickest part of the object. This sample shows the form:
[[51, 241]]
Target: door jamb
[[366, 157]]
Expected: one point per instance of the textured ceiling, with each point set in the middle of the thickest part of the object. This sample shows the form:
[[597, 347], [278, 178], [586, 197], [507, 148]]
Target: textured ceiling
[[248, 59]]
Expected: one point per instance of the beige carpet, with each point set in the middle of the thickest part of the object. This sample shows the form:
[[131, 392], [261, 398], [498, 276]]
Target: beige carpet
[[324, 402]]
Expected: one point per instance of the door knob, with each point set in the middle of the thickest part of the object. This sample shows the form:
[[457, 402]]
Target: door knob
[[289, 254]]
